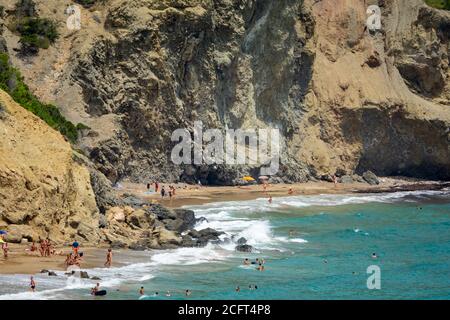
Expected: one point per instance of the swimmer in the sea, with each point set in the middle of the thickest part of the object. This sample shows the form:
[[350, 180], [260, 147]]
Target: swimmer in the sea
[[374, 256], [141, 291], [246, 261], [238, 289], [188, 293], [168, 294]]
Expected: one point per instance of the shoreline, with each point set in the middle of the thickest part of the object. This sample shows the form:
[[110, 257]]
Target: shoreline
[[21, 261], [188, 195]]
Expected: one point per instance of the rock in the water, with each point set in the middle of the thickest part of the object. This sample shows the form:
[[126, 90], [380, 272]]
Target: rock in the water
[[187, 217], [244, 248], [84, 275], [52, 274], [95, 278], [44, 271], [370, 178], [241, 241]]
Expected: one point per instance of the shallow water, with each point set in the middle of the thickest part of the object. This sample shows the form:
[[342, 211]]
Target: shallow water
[[409, 232]]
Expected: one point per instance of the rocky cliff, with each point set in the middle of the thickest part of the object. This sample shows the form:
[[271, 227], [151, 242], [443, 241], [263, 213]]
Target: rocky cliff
[[44, 192], [345, 99]]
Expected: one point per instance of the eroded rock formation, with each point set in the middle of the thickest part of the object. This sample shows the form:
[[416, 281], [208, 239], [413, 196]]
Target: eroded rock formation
[[345, 100]]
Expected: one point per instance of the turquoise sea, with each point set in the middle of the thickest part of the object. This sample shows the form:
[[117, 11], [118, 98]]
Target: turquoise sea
[[315, 247]]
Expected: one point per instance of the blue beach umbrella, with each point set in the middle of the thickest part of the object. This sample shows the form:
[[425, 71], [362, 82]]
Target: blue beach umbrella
[[3, 232]]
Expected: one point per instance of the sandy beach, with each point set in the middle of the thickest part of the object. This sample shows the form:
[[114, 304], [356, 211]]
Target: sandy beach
[[196, 195], [21, 261]]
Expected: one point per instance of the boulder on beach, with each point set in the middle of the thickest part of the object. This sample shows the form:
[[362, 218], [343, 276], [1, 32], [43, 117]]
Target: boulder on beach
[[370, 178]]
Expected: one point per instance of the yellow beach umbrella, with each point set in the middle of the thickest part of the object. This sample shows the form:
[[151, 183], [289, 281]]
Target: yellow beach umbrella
[[248, 178]]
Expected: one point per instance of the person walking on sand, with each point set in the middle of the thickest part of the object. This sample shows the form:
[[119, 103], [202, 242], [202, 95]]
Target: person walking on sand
[[335, 180], [156, 187], [32, 284], [291, 191], [108, 262], [163, 192], [5, 249]]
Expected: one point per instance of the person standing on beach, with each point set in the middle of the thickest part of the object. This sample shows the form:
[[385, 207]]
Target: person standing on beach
[[32, 284], [156, 186], [75, 246], [108, 262], [163, 192]]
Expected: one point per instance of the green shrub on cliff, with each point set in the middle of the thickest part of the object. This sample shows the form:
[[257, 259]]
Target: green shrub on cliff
[[439, 4], [12, 82]]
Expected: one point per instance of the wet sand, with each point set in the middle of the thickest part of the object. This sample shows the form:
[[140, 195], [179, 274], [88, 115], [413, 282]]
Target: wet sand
[[22, 261]]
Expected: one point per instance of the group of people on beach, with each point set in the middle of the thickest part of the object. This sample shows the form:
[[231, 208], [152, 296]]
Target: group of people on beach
[[75, 257], [164, 192], [46, 248]]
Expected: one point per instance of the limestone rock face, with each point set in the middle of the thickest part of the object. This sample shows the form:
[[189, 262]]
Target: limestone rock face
[[43, 191], [343, 98]]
